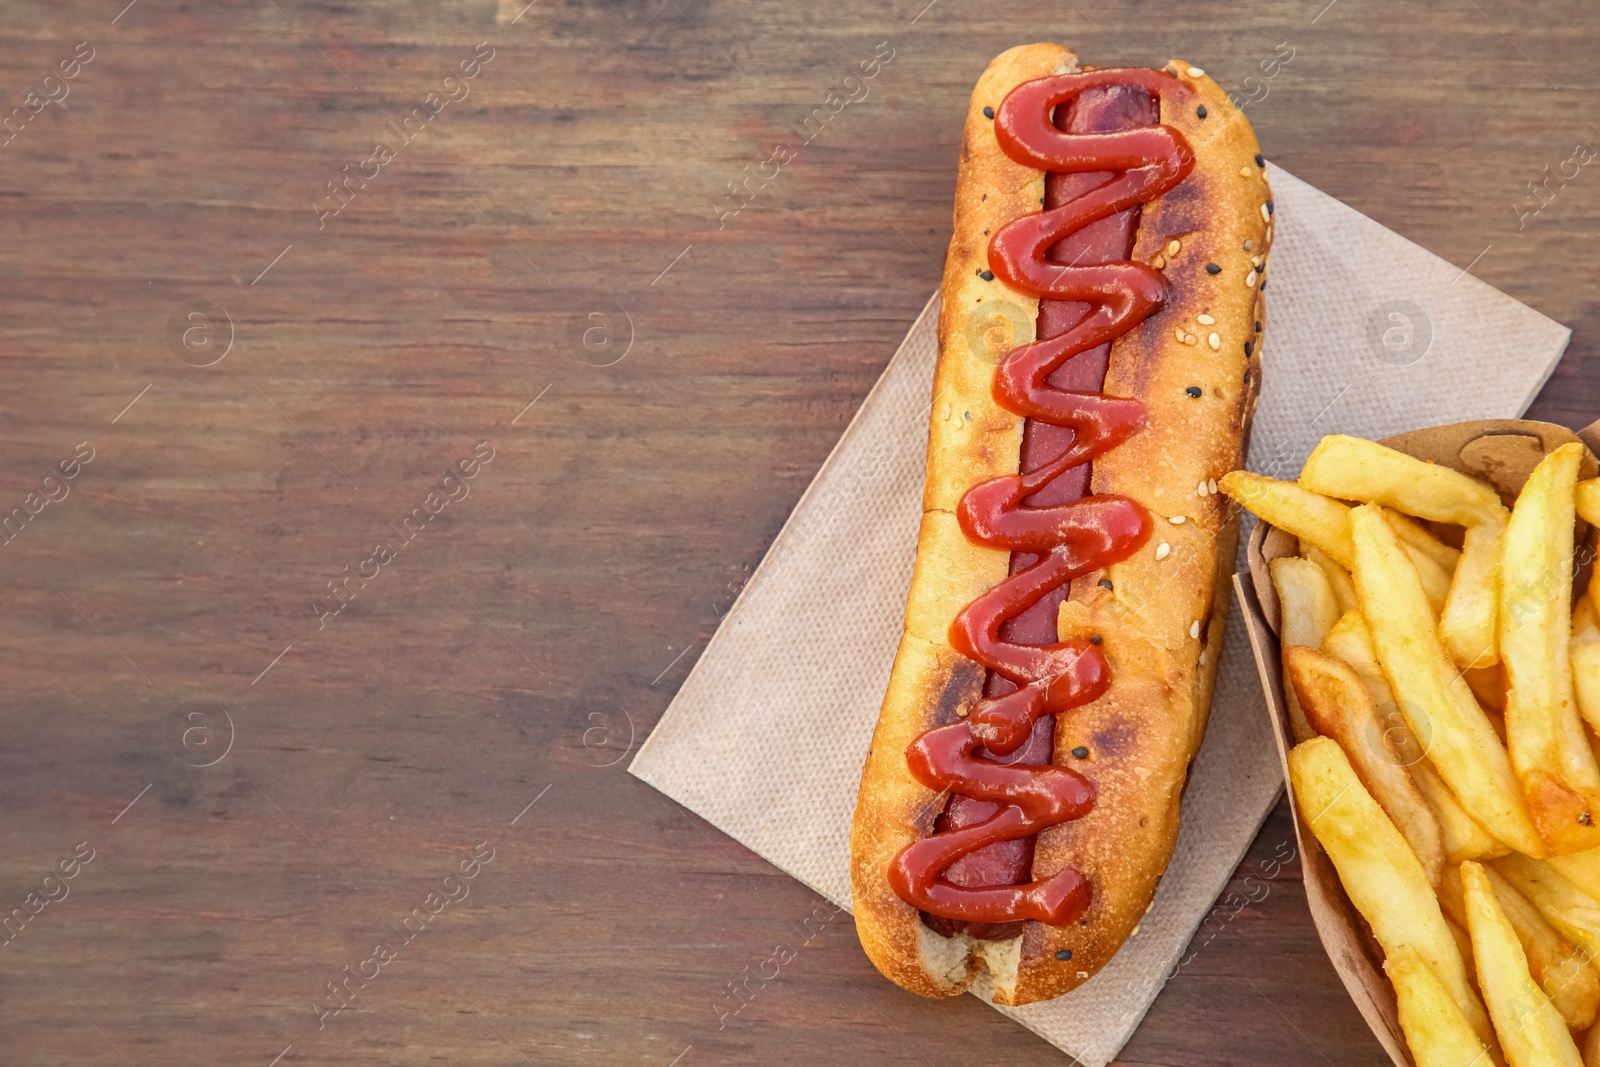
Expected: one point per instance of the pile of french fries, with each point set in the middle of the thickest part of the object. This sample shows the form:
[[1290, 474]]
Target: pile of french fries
[[1445, 703]]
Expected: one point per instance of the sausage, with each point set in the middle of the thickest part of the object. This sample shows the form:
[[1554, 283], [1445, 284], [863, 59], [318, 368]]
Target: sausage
[[1110, 239]]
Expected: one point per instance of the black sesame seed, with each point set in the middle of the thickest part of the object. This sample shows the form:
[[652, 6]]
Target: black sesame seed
[[1269, 207], [1262, 287], [1212, 268], [1064, 954], [986, 275], [1041, 201], [1105, 583], [988, 112], [1201, 111], [1247, 377], [1193, 390], [1258, 327], [1259, 161], [1080, 752], [1095, 640], [1249, 347]]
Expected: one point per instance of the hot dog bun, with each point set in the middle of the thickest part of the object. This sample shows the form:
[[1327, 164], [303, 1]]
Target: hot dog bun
[[1162, 620]]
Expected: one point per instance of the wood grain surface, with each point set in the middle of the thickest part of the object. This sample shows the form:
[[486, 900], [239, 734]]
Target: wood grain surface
[[275, 777]]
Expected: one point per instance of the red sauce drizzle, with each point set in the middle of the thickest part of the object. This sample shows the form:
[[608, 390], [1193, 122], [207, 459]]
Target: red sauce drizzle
[[1074, 127]]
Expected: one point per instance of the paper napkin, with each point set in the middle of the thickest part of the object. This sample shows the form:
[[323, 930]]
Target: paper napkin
[[1366, 334]]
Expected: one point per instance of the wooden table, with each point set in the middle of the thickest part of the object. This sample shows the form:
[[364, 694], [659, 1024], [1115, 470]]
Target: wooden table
[[273, 761]]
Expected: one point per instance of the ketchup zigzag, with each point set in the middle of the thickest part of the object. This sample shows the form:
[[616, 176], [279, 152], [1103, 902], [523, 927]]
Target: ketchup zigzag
[[1070, 539]]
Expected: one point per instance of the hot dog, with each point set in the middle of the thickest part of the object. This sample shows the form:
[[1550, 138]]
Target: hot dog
[[1099, 355]]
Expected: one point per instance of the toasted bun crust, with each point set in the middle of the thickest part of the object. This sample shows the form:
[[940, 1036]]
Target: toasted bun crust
[[1144, 732]]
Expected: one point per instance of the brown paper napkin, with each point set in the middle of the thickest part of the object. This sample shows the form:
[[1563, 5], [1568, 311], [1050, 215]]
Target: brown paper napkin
[[1368, 334]]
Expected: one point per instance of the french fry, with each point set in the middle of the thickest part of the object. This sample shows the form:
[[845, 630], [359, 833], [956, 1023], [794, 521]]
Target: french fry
[[1353, 469], [1344, 589], [1413, 534], [1549, 751], [1323, 523], [1586, 498], [1561, 968], [1309, 610], [1306, 597], [1350, 468], [1337, 705], [1436, 1031], [1582, 869], [1585, 663], [1585, 657], [1532, 1032], [1586, 501], [1435, 700], [1461, 835], [1350, 640], [1379, 871], [1309, 516], [1570, 910], [1467, 624]]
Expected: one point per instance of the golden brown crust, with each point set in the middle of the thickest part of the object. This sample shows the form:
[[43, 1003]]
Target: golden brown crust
[[1143, 733]]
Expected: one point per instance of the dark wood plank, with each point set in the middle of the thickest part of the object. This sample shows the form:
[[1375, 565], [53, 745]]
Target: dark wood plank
[[515, 647]]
